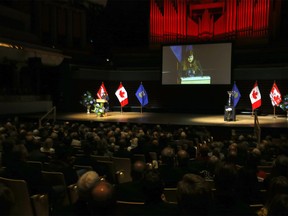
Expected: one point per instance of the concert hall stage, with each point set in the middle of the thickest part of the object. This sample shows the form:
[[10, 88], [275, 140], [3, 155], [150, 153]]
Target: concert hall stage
[[216, 124], [267, 121], [177, 119]]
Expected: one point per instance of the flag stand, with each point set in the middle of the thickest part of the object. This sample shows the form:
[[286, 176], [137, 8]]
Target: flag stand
[[121, 110], [141, 108], [274, 112]]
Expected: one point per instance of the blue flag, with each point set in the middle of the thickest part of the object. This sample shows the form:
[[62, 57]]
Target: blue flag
[[142, 95], [236, 95], [177, 50]]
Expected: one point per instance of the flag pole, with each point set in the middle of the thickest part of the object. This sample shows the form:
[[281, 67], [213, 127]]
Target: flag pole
[[274, 111], [121, 109], [141, 108]]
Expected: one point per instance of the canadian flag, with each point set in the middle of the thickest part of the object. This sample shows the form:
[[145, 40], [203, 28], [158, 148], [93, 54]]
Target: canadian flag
[[102, 91], [275, 95], [255, 97], [122, 95]]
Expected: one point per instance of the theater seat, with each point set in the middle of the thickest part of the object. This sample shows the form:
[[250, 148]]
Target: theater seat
[[35, 205]]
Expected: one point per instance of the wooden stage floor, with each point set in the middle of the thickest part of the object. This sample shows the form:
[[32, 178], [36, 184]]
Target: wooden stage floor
[[267, 121]]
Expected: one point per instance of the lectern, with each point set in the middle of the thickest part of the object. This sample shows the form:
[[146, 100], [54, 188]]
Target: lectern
[[229, 113], [100, 108], [101, 101]]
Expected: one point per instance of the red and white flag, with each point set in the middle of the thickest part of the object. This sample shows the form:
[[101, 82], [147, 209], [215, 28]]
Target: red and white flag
[[275, 95], [122, 95], [102, 92], [255, 97]]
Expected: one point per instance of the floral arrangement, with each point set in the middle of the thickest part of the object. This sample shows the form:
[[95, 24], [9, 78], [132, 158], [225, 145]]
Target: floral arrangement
[[87, 99], [284, 104], [99, 109]]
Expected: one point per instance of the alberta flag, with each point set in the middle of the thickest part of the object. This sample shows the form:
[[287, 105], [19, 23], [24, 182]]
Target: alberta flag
[[236, 95], [142, 95], [122, 95]]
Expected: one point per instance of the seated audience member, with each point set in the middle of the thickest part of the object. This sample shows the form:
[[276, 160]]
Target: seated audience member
[[47, 147], [35, 154], [133, 191], [227, 200], [103, 199], [155, 203], [7, 200], [18, 168], [279, 205], [169, 174], [279, 168], [278, 185], [85, 185], [194, 196], [182, 162], [249, 187], [62, 162], [200, 163], [123, 152], [87, 160]]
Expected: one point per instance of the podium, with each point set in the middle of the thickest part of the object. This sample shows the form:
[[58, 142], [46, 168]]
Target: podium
[[101, 101], [196, 80], [229, 113], [100, 108]]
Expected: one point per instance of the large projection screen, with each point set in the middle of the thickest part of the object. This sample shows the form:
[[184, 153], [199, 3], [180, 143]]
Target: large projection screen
[[196, 64]]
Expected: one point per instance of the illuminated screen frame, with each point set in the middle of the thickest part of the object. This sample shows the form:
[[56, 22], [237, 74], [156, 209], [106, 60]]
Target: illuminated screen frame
[[211, 64]]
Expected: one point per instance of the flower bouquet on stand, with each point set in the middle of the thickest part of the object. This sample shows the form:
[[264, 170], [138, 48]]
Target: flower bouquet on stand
[[87, 101], [99, 109], [284, 105]]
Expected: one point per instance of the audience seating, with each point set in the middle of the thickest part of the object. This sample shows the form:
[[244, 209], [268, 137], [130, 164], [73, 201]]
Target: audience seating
[[35, 205], [267, 168], [139, 157], [256, 207], [56, 180], [101, 158], [123, 168], [73, 193], [110, 171], [81, 169], [211, 183], [128, 208], [36, 164], [170, 195]]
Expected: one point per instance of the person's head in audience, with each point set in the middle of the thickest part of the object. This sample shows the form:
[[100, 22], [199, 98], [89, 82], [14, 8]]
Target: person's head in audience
[[194, 197], [138, 169], [20, 153], [182, 158], [279, 205], [86, 183], [226, 177], [203, 151], [231, 157], [153, 186], [278, 185], [280, 166], [48, 145], [103, 198], [7, 200], [168, 156]]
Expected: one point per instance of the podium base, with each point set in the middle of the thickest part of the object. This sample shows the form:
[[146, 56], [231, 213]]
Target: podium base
[[229, 113]]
